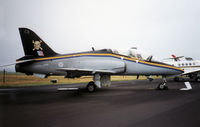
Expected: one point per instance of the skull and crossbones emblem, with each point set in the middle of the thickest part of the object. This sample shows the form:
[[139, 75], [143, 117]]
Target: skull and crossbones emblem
[[37, 45]]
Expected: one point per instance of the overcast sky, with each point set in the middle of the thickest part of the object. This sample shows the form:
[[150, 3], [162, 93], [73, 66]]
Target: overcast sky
[[160, 27]]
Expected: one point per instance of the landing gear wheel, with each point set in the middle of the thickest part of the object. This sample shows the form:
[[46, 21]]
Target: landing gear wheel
[[162, 86], [91, 87]]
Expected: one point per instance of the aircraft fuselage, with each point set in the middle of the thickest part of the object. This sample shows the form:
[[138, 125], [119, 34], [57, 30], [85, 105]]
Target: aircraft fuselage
[[122, 65]]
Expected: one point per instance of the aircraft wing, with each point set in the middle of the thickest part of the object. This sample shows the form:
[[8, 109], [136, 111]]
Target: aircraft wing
[[95, 66], [92, 71], [190, 71]]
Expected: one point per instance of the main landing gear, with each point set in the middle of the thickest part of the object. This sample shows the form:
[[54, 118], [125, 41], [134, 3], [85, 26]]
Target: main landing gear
[[91, 87], [98, 82], [162, 86]]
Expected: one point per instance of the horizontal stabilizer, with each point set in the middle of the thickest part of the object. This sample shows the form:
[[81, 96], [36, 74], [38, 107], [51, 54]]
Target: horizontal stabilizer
[[18, 62]]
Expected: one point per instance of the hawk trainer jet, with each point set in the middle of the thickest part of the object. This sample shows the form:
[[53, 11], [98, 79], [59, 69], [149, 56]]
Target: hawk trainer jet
[[42, 61]]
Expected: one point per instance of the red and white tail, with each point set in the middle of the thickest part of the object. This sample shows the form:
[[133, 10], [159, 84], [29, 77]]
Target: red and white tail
[[175, 58]]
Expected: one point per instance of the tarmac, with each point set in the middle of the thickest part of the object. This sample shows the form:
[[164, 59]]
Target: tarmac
[[125, 104]]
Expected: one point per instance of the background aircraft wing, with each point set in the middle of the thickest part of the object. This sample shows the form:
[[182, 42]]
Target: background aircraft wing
[[18, 62], [191, 71]]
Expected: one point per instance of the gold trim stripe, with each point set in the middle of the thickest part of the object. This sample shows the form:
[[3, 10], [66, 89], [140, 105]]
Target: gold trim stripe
[[106, 54]]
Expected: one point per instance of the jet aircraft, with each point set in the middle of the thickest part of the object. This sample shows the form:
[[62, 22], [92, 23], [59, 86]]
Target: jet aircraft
[[42, 61], [191, 67]]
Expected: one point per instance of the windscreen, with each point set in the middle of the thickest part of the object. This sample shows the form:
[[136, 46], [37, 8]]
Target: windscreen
[[135, 53]]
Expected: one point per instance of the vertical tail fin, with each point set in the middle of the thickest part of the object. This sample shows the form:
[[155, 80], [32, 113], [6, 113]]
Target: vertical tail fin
[[33, 45], [175, 58]]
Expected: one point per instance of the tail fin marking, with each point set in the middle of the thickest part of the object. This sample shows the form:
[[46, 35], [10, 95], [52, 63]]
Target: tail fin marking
[[33, 45]]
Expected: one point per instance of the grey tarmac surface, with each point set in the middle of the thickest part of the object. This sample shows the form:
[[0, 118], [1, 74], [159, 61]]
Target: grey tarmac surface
[[124, 104]]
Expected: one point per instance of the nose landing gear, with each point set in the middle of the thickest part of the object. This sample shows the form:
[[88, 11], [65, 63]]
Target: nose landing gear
[[163, 86]]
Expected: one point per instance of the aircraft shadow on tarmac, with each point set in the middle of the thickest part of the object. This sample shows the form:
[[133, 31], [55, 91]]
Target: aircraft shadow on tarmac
[[50, 94]]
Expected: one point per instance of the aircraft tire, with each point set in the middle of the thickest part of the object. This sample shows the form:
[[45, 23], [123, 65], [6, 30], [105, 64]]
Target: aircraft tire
[[91, 87], [162, 86]]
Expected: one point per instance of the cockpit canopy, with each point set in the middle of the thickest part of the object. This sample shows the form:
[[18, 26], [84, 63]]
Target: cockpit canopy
[[134, 53]]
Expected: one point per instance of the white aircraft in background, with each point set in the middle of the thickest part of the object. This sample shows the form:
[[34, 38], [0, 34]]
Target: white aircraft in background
[[191, 67]]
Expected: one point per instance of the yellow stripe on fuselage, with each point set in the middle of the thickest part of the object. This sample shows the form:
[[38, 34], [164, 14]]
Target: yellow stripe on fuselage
[[107, 54], [155, 64]]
